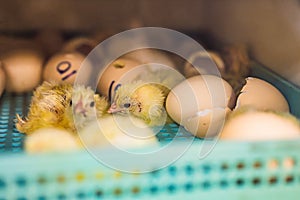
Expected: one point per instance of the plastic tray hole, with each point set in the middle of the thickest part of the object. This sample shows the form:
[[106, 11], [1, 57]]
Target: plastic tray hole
[[257, 165], [117, 191], [2, 184], [188, 186], [273, 180], [289, 163], [41, 198], [206, 185], [99, 193], [21, 198], [224, 166], [41, 180], [289, 179], [189, 169], [273, 164], [171, 188], [240, 165], [172, 170], [224, 184], [153, 189], [61, 179], [80, 195], [79, 177], [61, 197], [21, 182], [240, 182], [256, 181], [206, 168], [135, 190]]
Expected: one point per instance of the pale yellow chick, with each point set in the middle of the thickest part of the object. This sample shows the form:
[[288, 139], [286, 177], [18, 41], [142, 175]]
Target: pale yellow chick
[[142, 100], [58, 105]]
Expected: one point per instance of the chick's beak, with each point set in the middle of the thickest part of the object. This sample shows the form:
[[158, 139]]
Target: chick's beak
[[78, 108], [113, 109]]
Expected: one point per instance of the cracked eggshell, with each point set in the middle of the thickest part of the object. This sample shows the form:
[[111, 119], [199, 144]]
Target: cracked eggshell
[[203, 96], [256, 125], [207, 123], [260, 94], [23, 69]]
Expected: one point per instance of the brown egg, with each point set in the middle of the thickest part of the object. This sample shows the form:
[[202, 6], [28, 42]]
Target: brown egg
[[254, 125], [63, 67], [82, 45], [112, 74], [2, 79], [200, 101], [260, 94], [202, 60], [23, 69], [146, 56]]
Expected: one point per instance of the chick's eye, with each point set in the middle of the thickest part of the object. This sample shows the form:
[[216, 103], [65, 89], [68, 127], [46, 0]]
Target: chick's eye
[[126, 105], [71, 103], [92, 104]]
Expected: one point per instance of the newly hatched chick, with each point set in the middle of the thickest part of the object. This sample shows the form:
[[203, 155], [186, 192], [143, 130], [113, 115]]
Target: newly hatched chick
[[85, 106], [51, 106], [47, 108], [142, 100]]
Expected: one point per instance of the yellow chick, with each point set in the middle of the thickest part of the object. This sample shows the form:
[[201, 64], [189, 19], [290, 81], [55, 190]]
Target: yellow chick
[[142, 100], [58, 105]]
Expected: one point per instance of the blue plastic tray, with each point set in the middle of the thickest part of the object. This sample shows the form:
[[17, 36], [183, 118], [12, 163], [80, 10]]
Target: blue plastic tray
[[232, 170]]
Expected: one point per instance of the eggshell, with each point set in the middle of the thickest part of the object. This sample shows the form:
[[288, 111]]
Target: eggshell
[[261, 95], [122, 132], [203, 63], [199, 101], [64, 67], [2, 79], [83, 45], [207, 123], [49, 140], [112, 74], [23, 69], [254, 125]]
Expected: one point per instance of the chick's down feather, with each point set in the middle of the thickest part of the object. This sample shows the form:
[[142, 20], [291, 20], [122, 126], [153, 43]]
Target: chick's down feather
[[56, 105]]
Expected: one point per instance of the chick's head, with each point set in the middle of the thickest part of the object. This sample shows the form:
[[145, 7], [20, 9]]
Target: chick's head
[[82, 105]]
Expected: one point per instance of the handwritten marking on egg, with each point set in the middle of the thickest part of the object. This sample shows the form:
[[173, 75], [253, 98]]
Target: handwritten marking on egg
[[23, 69], [260, 94], [196, 95], [63, 67], [111, 76]]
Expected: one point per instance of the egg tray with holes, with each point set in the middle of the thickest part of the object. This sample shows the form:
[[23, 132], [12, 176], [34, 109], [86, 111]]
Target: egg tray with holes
[[231, 170]]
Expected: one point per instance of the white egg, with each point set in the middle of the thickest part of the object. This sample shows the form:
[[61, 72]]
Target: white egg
[[200, 98], [260, 94], [23, 69], [51, 139], [255, 125]]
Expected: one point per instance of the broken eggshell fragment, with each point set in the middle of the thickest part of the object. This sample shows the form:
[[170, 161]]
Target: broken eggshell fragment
[[261, 95], [199, 102]]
